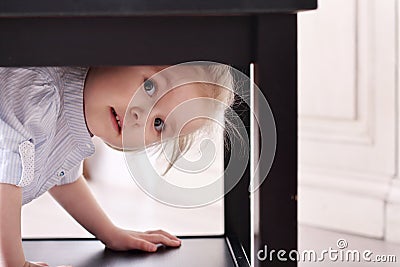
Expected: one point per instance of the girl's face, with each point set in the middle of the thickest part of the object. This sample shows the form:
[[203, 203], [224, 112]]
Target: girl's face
[[122, 100]]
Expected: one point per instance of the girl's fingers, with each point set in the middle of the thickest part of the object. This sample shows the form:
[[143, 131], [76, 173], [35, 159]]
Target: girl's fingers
[[34, 264], [159, 238], [43, 264], [163, 233], [142, 245]]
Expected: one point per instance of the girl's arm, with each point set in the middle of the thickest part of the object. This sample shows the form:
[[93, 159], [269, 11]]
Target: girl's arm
[[11, 252], [77, 199]]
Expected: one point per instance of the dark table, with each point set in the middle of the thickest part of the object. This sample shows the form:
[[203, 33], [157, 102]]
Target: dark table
[[146, 32], [194, 252]]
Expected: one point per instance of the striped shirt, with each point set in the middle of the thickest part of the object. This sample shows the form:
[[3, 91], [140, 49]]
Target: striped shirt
[[43, 133]]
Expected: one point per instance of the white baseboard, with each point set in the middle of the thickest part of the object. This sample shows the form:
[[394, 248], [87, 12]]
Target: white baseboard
[[392, 230], [341, 211], [347, 203]]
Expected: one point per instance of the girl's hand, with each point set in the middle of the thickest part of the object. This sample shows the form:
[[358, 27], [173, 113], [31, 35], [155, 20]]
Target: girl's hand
[[40, 264], [121, 239]]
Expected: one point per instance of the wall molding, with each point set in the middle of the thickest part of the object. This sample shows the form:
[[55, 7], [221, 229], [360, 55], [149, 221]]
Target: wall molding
[[362, 184], [358, 127], [348, 165]]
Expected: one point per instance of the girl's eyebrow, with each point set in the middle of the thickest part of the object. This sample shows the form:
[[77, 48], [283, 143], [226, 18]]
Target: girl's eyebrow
[[168, 81], [171, 126]]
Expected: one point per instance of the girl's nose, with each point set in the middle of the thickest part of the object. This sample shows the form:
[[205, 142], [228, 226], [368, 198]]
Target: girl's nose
[[136, 115]]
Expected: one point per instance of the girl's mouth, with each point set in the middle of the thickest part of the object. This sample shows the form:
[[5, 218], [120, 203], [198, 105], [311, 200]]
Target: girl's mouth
[[116, 120]]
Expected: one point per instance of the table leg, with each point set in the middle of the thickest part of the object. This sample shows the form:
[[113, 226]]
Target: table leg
[[276, 75]]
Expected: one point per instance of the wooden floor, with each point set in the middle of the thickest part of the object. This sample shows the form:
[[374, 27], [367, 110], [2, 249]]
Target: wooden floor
[[311, 238]]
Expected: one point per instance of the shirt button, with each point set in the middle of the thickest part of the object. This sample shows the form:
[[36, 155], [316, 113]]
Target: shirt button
[[61, 173], [88, 146]]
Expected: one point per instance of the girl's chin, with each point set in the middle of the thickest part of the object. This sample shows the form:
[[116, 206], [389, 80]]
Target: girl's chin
[[115, 147]]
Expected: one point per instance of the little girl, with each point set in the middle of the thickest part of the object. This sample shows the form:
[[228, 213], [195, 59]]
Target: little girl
[[48, 116]]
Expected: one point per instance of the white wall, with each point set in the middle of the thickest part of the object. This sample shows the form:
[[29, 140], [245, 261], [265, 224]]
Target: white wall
[[348, 117]]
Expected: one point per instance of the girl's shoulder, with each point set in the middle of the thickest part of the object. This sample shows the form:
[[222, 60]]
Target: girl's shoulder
[[29, 98], [22, 75], [24, 84]]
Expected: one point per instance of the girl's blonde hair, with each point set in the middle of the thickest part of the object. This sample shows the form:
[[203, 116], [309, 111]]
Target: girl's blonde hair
[[220, 85]]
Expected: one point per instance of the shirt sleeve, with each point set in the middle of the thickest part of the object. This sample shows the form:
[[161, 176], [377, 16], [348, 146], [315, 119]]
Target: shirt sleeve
[[72, 175], [29, 105]]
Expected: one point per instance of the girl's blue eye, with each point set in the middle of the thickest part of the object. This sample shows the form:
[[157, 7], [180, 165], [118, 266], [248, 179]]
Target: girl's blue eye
[[149, 87], [158, 124]]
